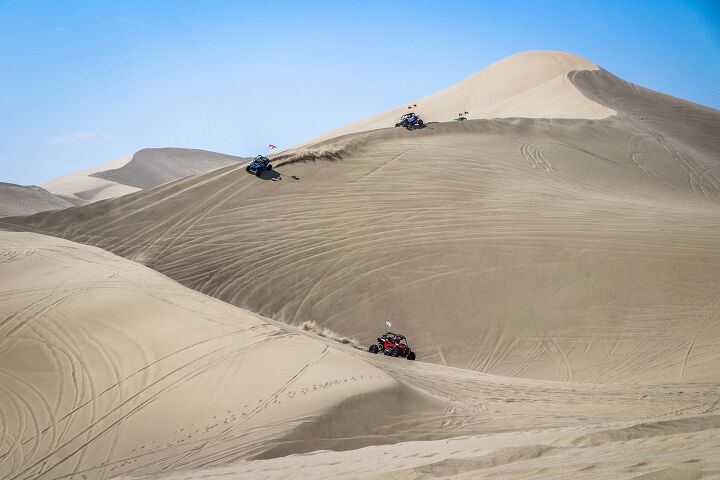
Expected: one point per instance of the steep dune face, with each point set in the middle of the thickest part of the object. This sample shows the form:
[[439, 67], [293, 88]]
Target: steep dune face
[[107, 367], [561, 249], [25, 200], [529, 85]]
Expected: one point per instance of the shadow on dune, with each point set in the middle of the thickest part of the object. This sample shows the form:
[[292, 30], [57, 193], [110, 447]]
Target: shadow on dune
[[415, 127], [273, 175], [397, 413]]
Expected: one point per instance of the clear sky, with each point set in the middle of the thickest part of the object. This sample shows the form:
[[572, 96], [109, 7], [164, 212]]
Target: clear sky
[[85, 82]]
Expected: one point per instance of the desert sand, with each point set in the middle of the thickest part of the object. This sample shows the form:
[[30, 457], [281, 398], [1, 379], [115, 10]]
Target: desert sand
[[112, 369], [27, 199], [553, 260]]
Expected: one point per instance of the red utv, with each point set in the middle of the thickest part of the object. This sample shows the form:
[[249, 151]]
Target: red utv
[[393, 344]]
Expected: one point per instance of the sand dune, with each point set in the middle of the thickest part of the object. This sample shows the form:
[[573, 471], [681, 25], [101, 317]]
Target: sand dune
[[566, 249], [109, 368], [554, 262], [531, 84], [25, 200], [145, 169], [154, 166]]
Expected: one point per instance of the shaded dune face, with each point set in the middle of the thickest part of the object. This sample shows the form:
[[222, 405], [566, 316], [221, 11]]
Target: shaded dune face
[[561, 249]]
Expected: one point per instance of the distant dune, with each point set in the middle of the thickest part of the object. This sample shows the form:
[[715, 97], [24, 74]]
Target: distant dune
[[26, 200], [154, 166], [563, 249], [145, 169], [81, 188]]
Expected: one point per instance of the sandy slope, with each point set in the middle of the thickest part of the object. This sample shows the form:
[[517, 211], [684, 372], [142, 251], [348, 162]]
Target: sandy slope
[[26, 200], [565, 249], [144, 169], [108, 367], [530, 84]]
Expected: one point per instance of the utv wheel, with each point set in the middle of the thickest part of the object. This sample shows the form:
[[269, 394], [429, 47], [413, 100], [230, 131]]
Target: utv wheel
[[269, 167], [396, 352], [373, 349], [411, 356], [258, 172], [420, 123], [247, 169]]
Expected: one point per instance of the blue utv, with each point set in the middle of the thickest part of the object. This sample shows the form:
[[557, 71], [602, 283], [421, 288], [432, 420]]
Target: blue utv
[[259, 165], [409, 120]]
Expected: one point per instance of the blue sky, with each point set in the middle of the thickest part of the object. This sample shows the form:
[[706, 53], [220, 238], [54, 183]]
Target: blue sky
[[85, 82]]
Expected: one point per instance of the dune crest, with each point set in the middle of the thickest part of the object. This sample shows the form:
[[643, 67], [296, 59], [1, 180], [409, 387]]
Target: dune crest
[[530, 84]]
